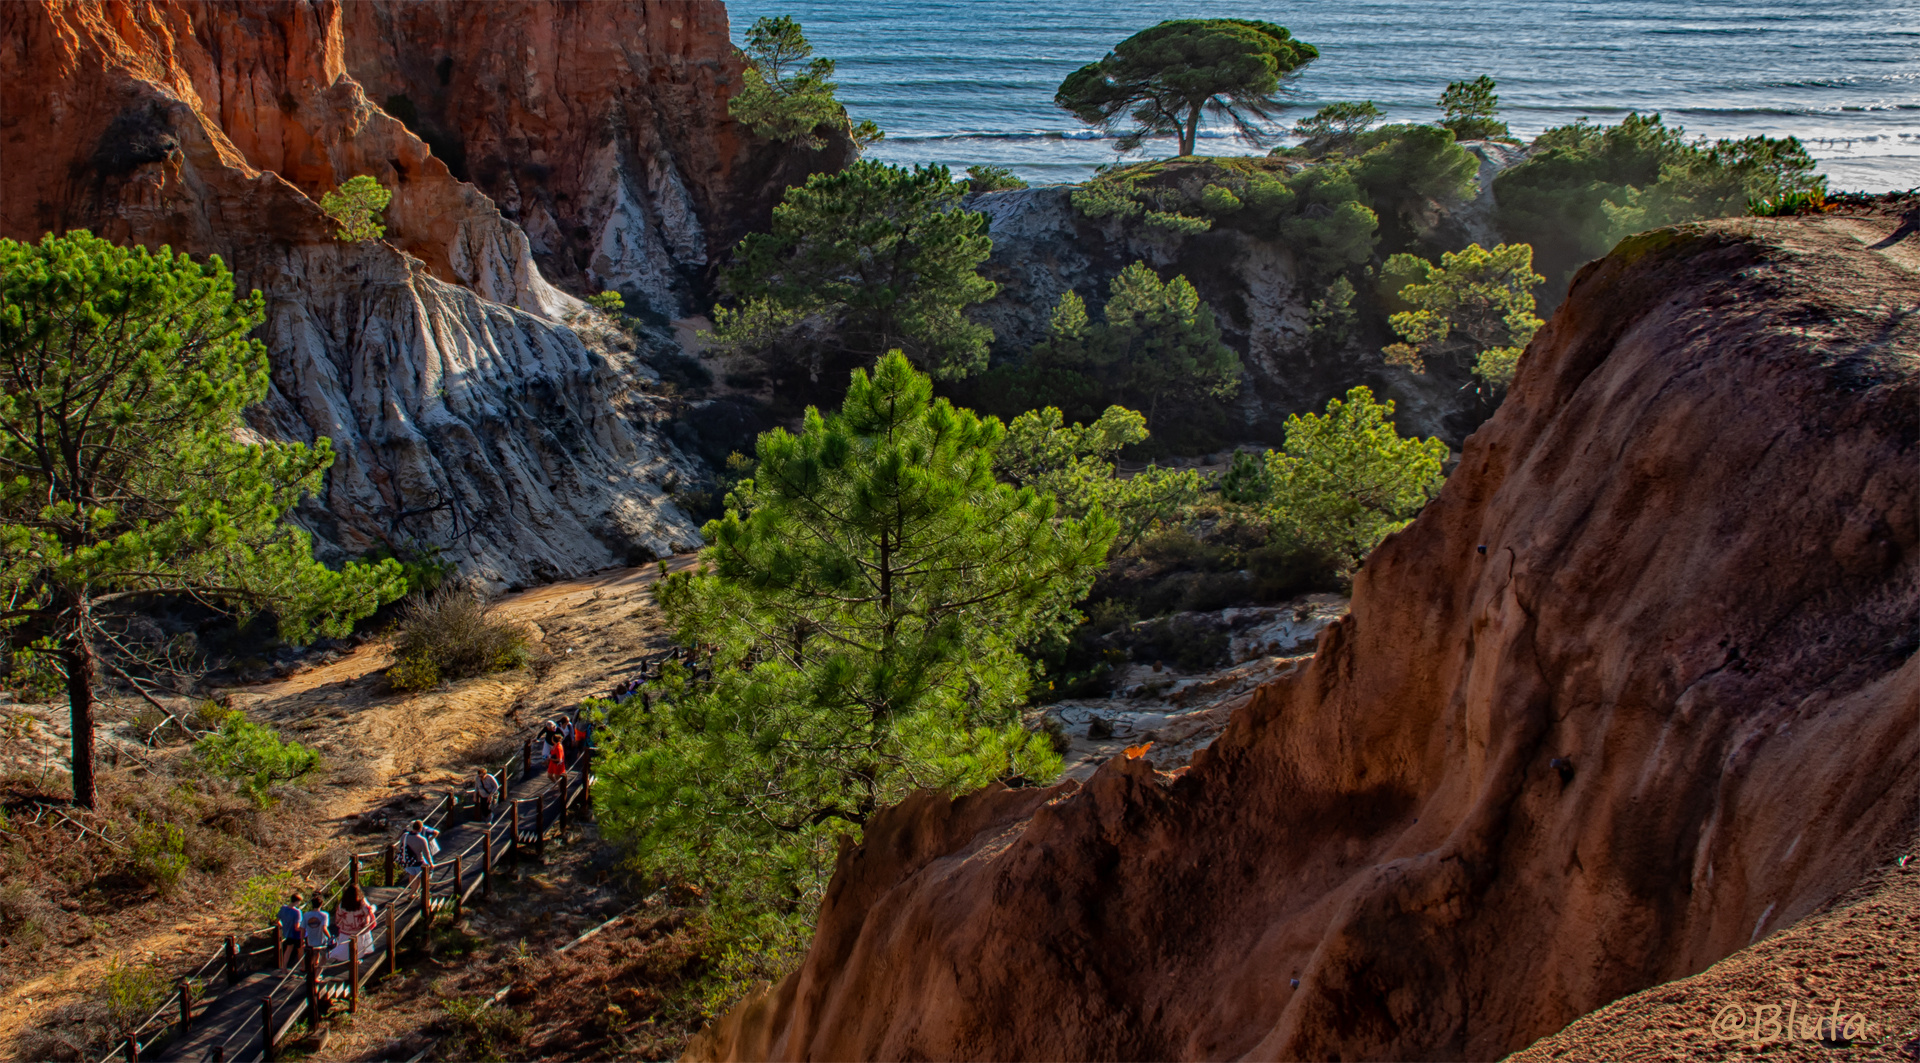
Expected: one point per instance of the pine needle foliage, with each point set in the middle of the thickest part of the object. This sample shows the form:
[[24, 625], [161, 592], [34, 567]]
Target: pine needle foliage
[[859, 612], [124, 466], [1159, 81]]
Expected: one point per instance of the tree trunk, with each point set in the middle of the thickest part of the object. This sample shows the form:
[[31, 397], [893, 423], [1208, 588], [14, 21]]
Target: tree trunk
[[80, 706], [1191, 132]]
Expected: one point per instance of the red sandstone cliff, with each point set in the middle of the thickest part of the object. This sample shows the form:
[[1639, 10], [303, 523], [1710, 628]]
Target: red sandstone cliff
[[601, 128], [1700, 586], [463, 415]]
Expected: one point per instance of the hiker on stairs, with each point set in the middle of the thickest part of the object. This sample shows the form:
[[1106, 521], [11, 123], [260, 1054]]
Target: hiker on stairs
[[317, 926], [353, 921], [289, 919], [418, 847], [556, 756], [486, 792]]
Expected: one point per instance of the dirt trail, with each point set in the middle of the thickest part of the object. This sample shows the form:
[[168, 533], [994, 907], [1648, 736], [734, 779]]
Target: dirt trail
[[383, 750]]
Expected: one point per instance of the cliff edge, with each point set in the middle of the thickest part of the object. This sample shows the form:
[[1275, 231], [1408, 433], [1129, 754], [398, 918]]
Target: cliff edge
[[1638, 689]]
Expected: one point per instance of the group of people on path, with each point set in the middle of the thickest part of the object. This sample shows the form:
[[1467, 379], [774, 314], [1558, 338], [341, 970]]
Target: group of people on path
[[353, 919], [350, 924]]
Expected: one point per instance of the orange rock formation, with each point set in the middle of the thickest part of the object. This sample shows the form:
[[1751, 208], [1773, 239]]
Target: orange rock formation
[[463, 414], [1637, 689]]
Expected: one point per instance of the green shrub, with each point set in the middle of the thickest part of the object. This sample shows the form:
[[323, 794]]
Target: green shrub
[[414, 674], [472, 1031], [1247, 481], [1347, 480], [1788, 204], [992, 179], [261, 896], [1469, 108], [34, 673], [1180, 641], [254, 756], [356, 208], [157, 854], [1586, 186], [447, 635], [130, 992]]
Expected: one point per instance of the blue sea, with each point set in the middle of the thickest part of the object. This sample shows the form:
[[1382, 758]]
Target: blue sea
[[972, 81]]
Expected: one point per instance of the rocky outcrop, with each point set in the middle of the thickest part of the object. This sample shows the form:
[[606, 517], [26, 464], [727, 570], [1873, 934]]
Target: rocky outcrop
[[1637, 689], [600, 128], [464, 414]]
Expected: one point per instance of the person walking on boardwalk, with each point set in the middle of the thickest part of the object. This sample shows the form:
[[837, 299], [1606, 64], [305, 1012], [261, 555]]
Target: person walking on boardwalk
[[556, 756], [418, 848], [353, 923], [486, 791], [289, 920], [317, 926]]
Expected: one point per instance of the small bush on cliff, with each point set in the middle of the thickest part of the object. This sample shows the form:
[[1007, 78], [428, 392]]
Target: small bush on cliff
[[1158, 342], [1337, 126], [356, 207], [1346, 480], [860, 608], [786, 95], [861, 262], [1469, 108], [992, 179], [1586, 186], [1476, 304], [1074, 463], [448, 635]]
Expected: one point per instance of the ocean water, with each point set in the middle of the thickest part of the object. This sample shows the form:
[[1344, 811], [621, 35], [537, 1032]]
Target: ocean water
[[972, 81]]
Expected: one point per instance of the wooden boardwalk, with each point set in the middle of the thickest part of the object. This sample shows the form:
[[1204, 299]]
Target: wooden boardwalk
[[239, 1005]]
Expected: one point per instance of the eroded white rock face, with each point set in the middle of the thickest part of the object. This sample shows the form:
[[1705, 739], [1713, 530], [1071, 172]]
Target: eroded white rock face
[[464, 423]]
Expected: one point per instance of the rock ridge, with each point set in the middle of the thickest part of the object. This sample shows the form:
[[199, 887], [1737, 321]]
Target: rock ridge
[[1639, 688]]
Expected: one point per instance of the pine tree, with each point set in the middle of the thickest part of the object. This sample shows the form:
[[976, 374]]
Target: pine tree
[[122, 472], [861, 262], [862, 605]]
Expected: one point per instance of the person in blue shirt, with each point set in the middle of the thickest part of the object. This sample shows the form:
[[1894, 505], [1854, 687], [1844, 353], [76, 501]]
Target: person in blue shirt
[[290, 936]]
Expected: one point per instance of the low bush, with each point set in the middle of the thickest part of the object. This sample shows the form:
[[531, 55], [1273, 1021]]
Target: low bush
[[157, 854], [470, 1031], [1186, 643], [253, 756], [447, 635]]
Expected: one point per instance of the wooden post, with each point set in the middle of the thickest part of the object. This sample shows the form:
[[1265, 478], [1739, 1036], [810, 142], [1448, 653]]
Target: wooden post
[[564, 788], [186, 1007], [516, 828], [540, 826], [353, 869], [313, 985], [426, 899], [586, 782], [526, 759], [486, 862], [233, 956], [459, 887], [393, 953], [219, 1054], [133, 1051], [389, 863], [266, 1028], [353, 973]]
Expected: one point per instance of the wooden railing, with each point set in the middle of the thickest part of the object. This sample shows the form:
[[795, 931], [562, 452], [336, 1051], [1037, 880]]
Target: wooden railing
[[235, 959]]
